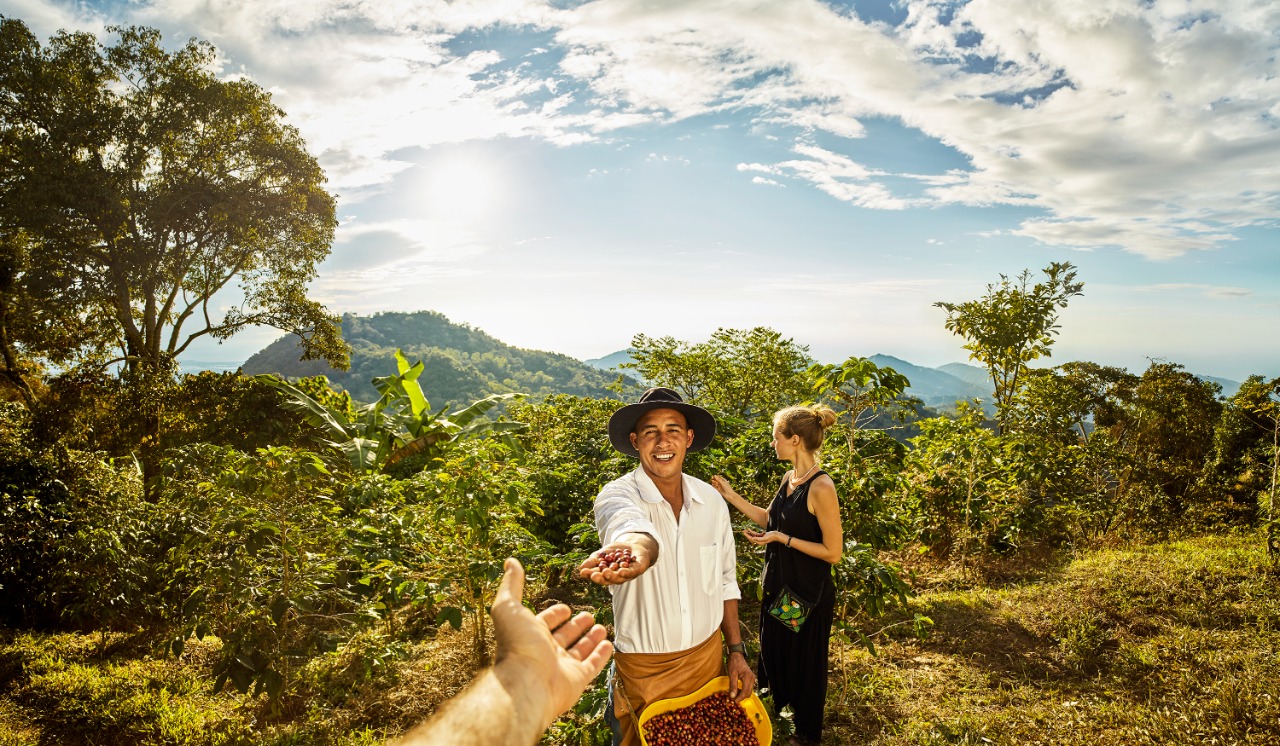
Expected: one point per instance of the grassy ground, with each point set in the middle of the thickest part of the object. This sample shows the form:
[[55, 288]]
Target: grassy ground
[[1168, 644]]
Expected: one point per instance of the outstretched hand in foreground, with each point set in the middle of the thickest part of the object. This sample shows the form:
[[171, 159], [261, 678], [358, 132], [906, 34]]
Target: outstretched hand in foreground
[[544, 663]]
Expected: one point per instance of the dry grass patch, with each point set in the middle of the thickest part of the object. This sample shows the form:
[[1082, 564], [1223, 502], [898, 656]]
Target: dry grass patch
[[1175, 643]]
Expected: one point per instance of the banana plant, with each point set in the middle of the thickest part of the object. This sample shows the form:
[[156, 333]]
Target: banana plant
[[400, 423]]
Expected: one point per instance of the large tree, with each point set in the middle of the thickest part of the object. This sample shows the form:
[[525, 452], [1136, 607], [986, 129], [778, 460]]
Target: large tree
[[136, 185], [746, 373], [1012, 325]]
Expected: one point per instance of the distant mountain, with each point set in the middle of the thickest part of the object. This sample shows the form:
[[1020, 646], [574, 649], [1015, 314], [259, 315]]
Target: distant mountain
[[462, 363], [1229, 387], [611, 361], [936, 387], [968, 373], [940, 388]]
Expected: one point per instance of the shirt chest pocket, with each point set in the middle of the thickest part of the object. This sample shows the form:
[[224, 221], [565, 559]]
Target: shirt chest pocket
[[709, 559]]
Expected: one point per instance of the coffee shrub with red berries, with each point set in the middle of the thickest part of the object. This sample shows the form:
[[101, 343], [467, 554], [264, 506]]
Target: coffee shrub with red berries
[[616, 559], [713, 721]]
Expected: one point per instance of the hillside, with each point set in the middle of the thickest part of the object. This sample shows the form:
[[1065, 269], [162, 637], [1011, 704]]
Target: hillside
[[462, 363], [611, 361], [937, 387]]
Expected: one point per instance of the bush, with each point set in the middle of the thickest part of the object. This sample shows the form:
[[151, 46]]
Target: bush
[[74, 544]]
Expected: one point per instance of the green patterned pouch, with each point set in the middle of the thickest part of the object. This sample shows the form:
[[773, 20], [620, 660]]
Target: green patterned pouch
[[790, 609]]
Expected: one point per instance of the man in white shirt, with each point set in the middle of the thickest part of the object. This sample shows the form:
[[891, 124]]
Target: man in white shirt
[[677, 601]]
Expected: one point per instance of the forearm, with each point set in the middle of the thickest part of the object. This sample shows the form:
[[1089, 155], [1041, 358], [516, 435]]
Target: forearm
[[729, 626], [490, 710], [757, 514], [815, 549]]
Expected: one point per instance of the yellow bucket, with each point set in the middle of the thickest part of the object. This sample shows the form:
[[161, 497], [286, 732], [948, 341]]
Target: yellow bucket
[[752, 705]]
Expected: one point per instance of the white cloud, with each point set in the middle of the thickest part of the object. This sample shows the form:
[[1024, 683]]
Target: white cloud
[[1152, 127], [1160, 138], [1212, 291]]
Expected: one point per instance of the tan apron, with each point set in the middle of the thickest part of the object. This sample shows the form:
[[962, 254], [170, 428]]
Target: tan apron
[[645, 678]]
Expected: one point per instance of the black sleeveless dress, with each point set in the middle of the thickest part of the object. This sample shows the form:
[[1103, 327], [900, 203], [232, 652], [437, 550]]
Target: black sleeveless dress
[[793, 665]]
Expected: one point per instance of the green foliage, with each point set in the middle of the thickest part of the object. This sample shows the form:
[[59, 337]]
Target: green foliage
[[462, 364], [479, 514], [398, 426], [866, 588], [229, 409], [1163, 436], [73, 539], [584, 724], [41, 323], [1242, 470], [1012, 325], [867, 480], [970, 490], [255, 565], [140, 184], [858, 386], [85, 699], [868, 468], [567, 459], [748, 374]]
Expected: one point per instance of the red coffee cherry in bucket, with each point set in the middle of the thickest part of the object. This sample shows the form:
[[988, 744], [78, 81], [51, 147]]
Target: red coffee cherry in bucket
[[715, 720]]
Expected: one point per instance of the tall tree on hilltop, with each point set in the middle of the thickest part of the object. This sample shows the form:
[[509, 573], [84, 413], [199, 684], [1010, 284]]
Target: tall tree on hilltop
[[746, 373], [140, 185], [1012, 325]]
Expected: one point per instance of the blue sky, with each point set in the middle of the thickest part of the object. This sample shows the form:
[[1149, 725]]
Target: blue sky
[[567, 174]]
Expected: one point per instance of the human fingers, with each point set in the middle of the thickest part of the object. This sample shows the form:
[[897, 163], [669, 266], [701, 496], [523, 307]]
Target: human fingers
[[511, 589], [599, 656], [741, 679], [569, 630], [589, 566], [555, 616], [588, 642]]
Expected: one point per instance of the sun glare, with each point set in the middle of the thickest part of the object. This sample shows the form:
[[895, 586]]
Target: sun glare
[[461, 187]]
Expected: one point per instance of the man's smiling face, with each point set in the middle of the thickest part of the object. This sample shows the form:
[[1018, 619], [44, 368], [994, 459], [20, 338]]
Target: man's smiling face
[[662, 436]]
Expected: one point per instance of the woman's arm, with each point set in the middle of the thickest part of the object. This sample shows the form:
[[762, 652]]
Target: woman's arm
[[757, 514]]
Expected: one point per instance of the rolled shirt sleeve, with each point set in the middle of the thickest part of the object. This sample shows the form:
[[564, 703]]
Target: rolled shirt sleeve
[[617, 514]]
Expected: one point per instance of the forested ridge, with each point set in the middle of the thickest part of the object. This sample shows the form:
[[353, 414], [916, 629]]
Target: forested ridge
[[462, 363], [232, 559]]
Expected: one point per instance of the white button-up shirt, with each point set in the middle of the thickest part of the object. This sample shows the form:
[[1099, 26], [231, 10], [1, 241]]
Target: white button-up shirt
[[679, 602]]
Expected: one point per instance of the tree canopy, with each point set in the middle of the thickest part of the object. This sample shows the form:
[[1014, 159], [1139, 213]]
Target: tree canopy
[[748, 373], [1012, 325], [135, 186]]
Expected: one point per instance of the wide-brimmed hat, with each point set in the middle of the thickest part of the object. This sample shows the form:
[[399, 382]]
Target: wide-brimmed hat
[[623, 422]]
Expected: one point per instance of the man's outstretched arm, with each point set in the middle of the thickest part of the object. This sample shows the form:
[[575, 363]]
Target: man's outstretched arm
[[544, 663]]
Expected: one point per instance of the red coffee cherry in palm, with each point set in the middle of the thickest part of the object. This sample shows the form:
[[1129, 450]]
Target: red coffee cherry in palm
[[616, 559]]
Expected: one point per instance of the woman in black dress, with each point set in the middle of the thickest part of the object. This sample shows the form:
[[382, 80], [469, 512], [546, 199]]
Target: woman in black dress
[[803, 538]]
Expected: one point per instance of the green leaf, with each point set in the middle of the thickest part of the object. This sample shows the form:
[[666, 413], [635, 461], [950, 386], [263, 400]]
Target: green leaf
[[273, 682], [241, 678], [452, 615], [279, 607]]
